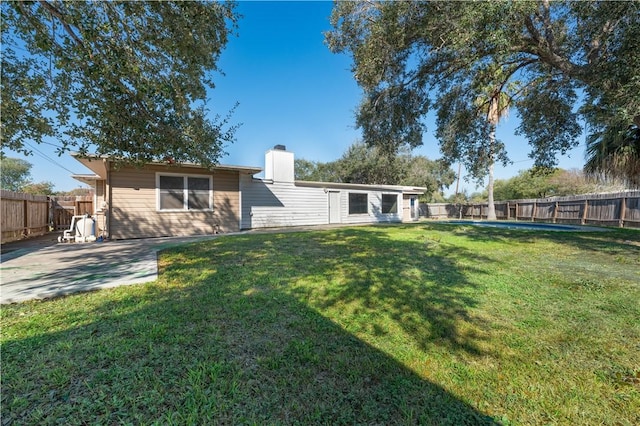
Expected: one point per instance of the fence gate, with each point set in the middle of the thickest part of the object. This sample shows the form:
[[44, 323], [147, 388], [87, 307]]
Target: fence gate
[[65, 207]]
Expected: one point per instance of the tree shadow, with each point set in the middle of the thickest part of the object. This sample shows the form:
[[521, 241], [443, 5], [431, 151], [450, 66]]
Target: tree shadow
[[416, 284], [615, 241], [215, 341]]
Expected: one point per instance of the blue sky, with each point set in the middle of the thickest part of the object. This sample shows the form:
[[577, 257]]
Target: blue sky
[[293, 91]]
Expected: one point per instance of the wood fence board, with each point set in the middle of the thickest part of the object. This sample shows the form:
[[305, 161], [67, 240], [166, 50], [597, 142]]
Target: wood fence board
[[23, 215], [26, 215], [604, 209]]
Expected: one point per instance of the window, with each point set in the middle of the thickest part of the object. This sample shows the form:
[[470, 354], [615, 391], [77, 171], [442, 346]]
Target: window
[[389, 203], [358, 203], [176, 192]]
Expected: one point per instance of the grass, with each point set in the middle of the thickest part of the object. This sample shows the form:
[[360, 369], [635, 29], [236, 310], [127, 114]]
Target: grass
[[406, 324]]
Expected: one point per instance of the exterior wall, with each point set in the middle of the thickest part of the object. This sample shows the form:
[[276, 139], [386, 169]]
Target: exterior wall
[[266, 204], [410, 212], [374, 213], [100, 208], [133, 205]]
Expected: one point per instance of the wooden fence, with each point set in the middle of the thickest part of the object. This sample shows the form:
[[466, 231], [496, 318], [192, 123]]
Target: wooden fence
[[65, 207], [617, 209], [23, 215]]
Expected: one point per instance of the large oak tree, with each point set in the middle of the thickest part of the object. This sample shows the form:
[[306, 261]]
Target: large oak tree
[[127, 79], [557, 61]]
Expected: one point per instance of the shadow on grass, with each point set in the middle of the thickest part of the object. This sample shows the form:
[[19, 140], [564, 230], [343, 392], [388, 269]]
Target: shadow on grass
[[614, 241], [230, 336], [413, 283]]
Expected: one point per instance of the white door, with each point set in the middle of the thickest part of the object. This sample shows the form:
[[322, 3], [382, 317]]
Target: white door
[[334, 207], [415, 211]]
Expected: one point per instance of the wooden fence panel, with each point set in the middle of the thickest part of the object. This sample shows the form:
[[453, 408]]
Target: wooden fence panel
[[502, 210], [472, 211], [605, 212], [621, 209], [436, 210], [545, 211], [23, 215], [524, 210], [65, 207], [632, 212], [570, 212]]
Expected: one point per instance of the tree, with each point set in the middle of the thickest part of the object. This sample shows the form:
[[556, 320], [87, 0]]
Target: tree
[[413, 57], [79, 191], [615, 155], [15, 173], [370, 165], [492, 106], [127, 79], [16, 176], [434, 175], [542, 183], [497, 107], [40, 188], [317, 171]]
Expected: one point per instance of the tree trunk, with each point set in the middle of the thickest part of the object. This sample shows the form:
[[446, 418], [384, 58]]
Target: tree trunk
[[491, 211]]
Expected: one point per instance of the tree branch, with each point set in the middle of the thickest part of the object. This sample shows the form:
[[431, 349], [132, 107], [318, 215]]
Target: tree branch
[[58, 14]]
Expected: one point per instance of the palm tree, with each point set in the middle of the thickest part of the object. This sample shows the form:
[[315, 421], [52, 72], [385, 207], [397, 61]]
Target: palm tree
[[496, 108], [615, 153]]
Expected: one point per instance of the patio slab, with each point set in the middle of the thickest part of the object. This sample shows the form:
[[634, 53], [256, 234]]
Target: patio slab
[[43, 268]]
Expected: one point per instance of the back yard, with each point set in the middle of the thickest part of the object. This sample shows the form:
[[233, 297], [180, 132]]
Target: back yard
[[407, 324]]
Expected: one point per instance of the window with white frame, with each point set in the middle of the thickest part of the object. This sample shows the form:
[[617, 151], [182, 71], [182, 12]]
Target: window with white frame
[[184, 192], [389, 203], [358, 203]]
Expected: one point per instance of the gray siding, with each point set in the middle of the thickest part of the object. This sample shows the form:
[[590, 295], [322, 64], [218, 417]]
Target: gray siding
[[266, 204]]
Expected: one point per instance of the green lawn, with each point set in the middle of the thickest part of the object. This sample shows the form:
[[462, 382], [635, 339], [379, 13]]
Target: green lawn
[[406, 324]]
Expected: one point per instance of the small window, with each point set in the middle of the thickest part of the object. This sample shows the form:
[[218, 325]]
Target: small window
[[358, 203], [389, 203], [177, 192], [198, 193], [171, 192]]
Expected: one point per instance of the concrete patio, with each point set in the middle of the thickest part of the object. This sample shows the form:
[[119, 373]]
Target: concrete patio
[[42, 268]]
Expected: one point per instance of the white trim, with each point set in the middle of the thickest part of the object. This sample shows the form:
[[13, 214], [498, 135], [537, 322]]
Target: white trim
[[349, 203], [398, 196], [185, 189]]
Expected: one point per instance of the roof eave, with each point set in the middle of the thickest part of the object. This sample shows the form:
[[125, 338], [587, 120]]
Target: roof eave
[[98, 165], [361, 186]]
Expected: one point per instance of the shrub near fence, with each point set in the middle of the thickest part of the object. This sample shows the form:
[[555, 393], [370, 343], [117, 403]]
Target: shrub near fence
[[23, 215], [616, 209]]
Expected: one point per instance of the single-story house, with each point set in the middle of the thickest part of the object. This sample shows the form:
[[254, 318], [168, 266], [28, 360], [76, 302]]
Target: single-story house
[[160, 199]]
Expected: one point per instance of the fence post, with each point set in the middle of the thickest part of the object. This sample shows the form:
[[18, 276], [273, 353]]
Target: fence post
[[584, 213], [555, 213], [49, 214], [533, 212], [25, 217], [623, 211]]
